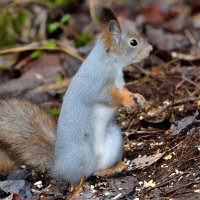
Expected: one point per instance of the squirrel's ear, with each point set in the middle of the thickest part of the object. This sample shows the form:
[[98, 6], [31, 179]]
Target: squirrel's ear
[[111, 27]]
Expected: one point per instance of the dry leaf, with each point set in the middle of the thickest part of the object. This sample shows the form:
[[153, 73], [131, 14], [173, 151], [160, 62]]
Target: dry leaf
[[145, 161], [182, 124]]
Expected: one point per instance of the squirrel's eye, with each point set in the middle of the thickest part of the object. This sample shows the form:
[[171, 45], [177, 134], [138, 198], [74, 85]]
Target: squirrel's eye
[[133, 42]]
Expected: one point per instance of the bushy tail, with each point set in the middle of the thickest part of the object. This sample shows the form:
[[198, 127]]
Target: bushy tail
[[27, 135]]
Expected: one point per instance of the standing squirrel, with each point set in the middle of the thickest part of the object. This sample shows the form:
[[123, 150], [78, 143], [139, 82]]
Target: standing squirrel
[[86, 139]]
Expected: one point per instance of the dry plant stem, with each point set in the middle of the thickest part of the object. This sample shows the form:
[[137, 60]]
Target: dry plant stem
[[54, 86], [143, 79], [148, 73], [176, 102], [180, 187], [169, 62], [190, 81], [33, 47], [17, 37], [47, 188], [17, 2], [147, 132], [41, 22], [179, 84], [174, 165], [190, 36], [144, 71], [92, 4], [180, 194], [165, 183]]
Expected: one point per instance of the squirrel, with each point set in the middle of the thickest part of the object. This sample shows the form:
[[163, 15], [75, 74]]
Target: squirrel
[[86, 140]]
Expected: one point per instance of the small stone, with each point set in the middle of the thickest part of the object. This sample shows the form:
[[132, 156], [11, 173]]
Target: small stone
[[106, 193], [38, 184]]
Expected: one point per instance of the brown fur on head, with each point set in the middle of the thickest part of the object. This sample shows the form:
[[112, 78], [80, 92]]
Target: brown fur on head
[[125, 46], [111, 27]]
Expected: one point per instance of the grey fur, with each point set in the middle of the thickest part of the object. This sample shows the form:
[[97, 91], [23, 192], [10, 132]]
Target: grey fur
[[74, 151]]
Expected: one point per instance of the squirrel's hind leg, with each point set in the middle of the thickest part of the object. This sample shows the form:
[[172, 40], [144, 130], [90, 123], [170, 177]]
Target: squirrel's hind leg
[[77, 189], [112, 153], [119, 167]]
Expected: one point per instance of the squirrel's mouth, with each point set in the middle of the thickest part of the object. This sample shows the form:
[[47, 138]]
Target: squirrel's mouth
[[143, 54]]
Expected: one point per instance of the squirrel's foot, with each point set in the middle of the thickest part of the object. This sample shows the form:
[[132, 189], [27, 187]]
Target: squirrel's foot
[[116, 169], [77, 189]]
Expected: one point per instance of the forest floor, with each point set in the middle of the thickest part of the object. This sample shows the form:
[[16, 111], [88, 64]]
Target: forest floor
[[161, 142]]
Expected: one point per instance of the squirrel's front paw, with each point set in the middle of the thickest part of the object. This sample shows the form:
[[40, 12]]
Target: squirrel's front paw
[[140, 101], [128, 100]]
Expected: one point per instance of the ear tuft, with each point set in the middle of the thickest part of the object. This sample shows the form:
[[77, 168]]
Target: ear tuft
[[111, 28], [107, 15]]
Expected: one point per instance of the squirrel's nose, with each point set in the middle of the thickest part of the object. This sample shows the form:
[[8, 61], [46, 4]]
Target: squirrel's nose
[[149, 48]]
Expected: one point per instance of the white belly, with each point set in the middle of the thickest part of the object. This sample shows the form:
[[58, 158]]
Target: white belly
[[102, 115]]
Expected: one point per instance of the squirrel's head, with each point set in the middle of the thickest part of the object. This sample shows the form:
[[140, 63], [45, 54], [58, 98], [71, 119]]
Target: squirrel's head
[[126, 46]]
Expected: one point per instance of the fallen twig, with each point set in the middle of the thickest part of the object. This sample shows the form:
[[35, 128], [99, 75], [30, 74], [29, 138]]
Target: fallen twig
[[165, 183], [34, 46], [180, 187], [146, 132], [54, 86]]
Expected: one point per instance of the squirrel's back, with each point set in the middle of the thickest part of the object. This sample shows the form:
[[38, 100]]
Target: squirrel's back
[[27, 135]]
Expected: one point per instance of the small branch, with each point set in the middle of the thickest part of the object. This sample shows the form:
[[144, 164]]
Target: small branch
[[167, 63], [92, 4], [190, 36], [35, 47], [166, 182], [147, 132], [190, 81], [144, 71], [53, 86], [180, 187]]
